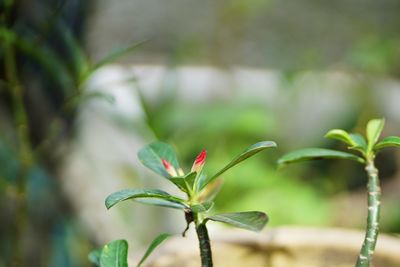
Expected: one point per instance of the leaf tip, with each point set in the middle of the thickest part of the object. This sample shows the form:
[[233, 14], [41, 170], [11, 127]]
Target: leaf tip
[[109, 203], [268, 144], [280, 165]]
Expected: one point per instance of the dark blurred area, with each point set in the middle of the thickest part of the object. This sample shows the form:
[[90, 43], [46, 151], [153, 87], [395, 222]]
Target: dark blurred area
[[215, 75], [38, 81]]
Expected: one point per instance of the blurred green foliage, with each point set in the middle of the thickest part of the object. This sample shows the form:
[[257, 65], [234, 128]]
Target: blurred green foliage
[[224, 129], [303, 195]]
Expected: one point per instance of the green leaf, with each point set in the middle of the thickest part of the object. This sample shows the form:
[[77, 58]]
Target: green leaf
[[111, 58], [314, 154], [115, 254], [126, 194], [359, 143], [162, 203], [94, 256], [355, 141], [76, 54], [184, 183], [180, 183], [250, 151], [374, 130], [200, 181], [202, 207], [152, 154], [390, 141], [249, 220], [190, 178], [340, 135], [156, 242]]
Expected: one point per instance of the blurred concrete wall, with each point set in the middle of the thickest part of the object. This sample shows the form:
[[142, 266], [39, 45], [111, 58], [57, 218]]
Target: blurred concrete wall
[[265, 33]]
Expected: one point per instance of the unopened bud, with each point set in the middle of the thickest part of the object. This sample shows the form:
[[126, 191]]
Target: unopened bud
[[169, 168], [199, 162]]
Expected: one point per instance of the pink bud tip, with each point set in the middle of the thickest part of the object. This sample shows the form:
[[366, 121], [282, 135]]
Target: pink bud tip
[[166, 164], [169, 168], [199, 161]]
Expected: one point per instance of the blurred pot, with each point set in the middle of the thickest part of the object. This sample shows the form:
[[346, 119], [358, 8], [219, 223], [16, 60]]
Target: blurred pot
[[280, 247]]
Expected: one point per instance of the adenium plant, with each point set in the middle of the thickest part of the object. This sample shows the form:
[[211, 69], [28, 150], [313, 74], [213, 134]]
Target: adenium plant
[[200, 190], [365, 153]]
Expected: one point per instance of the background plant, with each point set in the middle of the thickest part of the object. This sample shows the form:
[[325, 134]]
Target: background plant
[[43, 79], [367, 149], [200, 190]]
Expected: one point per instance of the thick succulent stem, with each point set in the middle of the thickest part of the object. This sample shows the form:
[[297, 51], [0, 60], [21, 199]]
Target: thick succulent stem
[[374, 202], [205, 247]]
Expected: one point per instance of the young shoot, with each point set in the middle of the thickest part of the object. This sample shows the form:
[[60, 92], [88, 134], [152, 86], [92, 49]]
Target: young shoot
[[364, 152], [200, 190]]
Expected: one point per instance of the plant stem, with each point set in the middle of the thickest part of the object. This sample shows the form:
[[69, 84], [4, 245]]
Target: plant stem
[[205, 247], [374, 196]]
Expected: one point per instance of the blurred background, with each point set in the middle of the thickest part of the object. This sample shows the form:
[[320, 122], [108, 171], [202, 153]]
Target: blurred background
[[85, 84]]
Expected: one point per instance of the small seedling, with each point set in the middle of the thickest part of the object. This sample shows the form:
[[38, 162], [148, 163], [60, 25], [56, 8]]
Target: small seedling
[[367, 149], [200, 191]]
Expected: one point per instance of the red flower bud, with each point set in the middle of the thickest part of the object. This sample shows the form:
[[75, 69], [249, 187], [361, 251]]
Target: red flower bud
[[169, 168], [199, 162]]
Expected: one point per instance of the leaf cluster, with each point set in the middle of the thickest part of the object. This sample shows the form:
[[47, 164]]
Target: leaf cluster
[[200, 190], [365, 148]]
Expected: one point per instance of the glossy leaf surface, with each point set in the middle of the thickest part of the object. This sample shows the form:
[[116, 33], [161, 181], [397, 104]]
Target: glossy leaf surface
[[374, 129], [162, 203], [184, 183], [154, 244], [126, 194], [390, 141], [249, 220], [179, 182], [315, 154], [359, 143], [250, 151], [115, 254], [152, 154], [341, 135], [190, 178]]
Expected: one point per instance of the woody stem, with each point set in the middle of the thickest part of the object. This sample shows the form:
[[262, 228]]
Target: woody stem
[[204, 244]]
